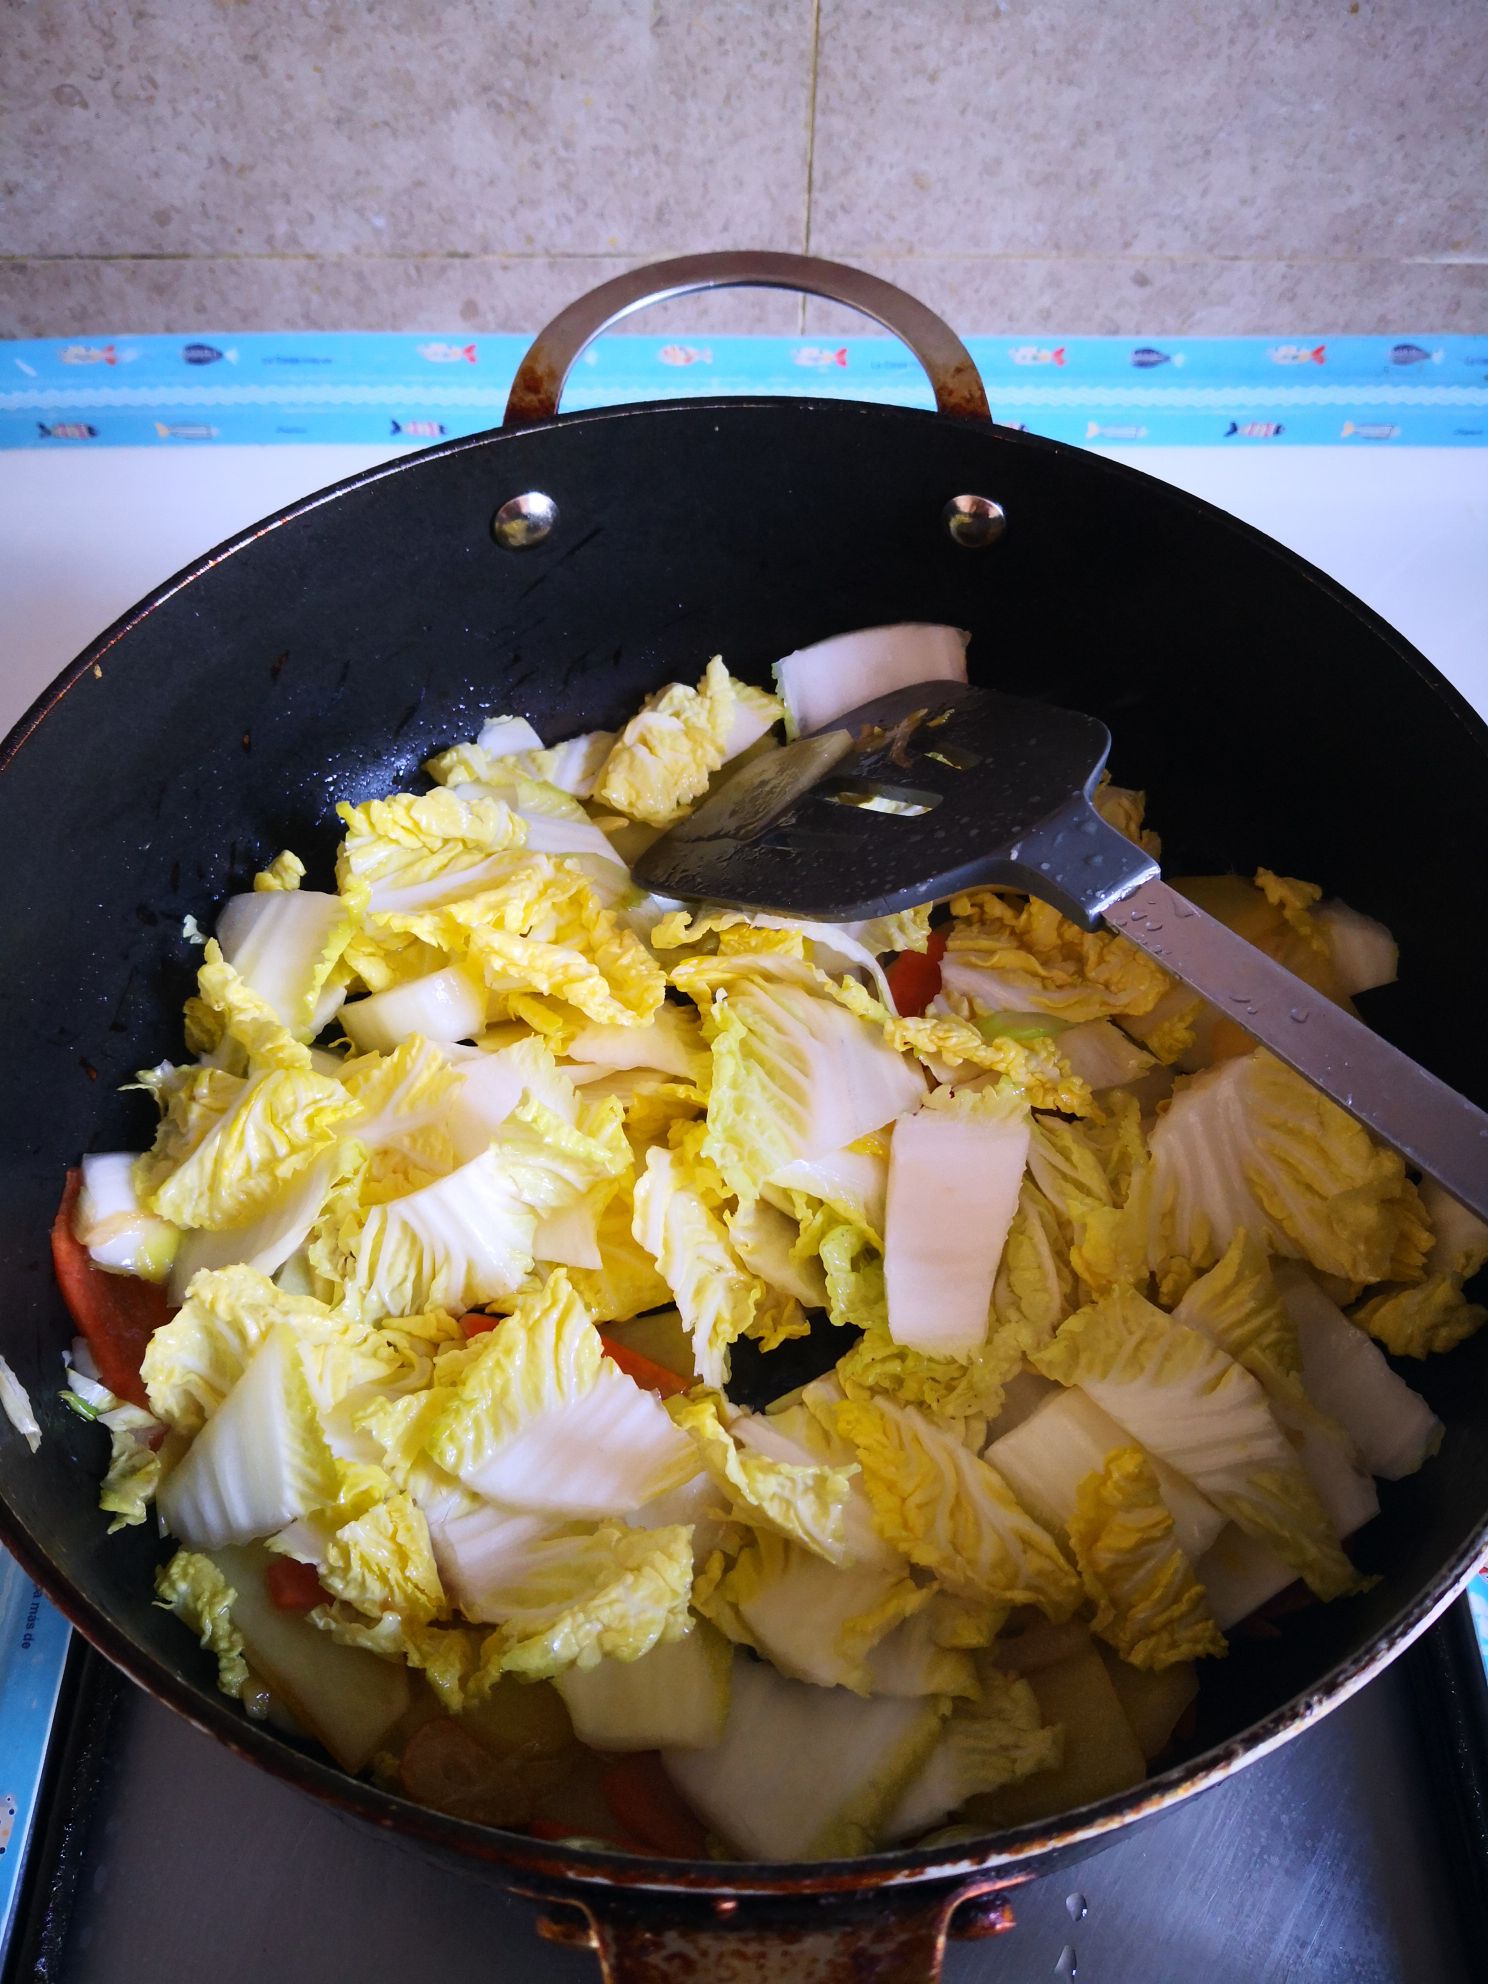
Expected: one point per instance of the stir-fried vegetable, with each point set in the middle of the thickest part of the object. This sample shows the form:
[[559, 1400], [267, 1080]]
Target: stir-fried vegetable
[[487, 1188]]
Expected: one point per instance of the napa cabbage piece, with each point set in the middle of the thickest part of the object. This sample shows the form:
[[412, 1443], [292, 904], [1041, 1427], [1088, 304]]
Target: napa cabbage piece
[[804, 1503], [995, 1740], [853, 1182], [508, 747], [932, 1651], [962, 1394], [1014, 955], [542, 1420], [1179, 1396], [383, 1561], [270, 1132], [1251, 1146], [413, 850], [626, 1283], [1363, 953], [613, 1594], [15, 1403], [229, 1023], [551, 952], [819, 683], [955, 1172], [1035, 1288], [192, 1587], [718, 1298], [1148, 1603], [1422, 1321], [259, 1462], [112, 1224], [285, 945], [949, 1511], [456, 1243], [1102, 1056], [950, 1044], [838, 1766], [1460, 1246], [267, 1242], [1347, 1376], [193, 1361], [481, 1550], [851, 1262], [813, 1620], [1064, 1440], [671, 1041], [768, 1242], [795, 1075], [674, 1697], [663, 758], [448, 1004]]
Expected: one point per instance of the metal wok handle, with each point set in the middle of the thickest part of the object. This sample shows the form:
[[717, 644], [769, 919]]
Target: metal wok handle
[[953, 376], [887, 1936]]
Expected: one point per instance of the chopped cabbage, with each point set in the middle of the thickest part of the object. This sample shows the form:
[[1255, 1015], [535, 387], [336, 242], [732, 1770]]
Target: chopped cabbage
[[542, 1420], [955, 1170], [261, 1459], [1148, 1603], [192, 1587], [611, 1595], [1347, 1376], [838, 1766], [995, 1740], [285, 945], [821, 682], [663, 758], [804, 1503], [15, 1403], [952, 1513], [676, 1697], [113, 1225], [1250, 1145], [1182, 1399]]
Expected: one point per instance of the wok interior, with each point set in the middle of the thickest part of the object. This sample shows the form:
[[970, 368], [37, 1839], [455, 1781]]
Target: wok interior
[[1269, 718]]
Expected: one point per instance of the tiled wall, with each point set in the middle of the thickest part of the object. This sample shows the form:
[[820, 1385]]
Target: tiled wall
[[1085, 165]]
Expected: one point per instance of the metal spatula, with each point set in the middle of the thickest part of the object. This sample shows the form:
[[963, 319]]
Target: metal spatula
[[940, 787]]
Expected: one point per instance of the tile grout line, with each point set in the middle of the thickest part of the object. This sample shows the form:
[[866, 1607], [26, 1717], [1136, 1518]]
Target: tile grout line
[[815, 59], [353, 258]]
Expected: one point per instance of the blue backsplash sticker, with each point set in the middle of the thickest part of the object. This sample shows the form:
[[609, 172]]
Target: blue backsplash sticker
[[367, 387]]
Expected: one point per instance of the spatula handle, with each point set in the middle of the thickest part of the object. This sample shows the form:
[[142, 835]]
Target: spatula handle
[[1431, 1125]]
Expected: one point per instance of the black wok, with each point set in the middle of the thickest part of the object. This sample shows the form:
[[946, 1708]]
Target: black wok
[[323, 654]]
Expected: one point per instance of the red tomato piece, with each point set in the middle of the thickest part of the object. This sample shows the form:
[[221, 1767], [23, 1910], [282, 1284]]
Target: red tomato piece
[[115, 1314], [294, 1587], [645, 1802], [649, 1375], [914, 976]]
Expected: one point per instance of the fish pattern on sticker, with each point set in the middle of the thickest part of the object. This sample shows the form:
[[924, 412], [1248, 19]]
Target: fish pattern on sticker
[[692, 354], [423, 430], [1036, 354], [1298, 354], [207, 354], [1255, 430], [8, 1810], [1146, 356], [66, 430], [1368, 430], [439, 353], [89, 354], [819, 356], [1414, 354], [1102, 430]]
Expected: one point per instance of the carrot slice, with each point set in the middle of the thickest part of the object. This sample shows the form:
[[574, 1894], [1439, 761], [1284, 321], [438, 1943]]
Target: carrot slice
[[914, 976], [475, 1322], [294, 1587], [649, 1375], [115, 1314], [644, 1801]]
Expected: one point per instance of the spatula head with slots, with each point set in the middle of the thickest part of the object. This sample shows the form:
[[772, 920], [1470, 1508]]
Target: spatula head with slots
[[930, 789]]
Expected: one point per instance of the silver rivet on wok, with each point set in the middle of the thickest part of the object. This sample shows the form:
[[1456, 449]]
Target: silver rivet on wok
[[974, 521], [524, 521]]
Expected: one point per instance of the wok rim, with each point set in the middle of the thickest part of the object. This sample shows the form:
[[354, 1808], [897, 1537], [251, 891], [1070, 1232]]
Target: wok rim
[[1015, 1854]]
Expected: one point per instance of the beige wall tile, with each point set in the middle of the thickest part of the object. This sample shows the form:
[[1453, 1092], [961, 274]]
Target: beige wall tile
[[1152, 127], [403, 126], [1202, 297], [40, 298]]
